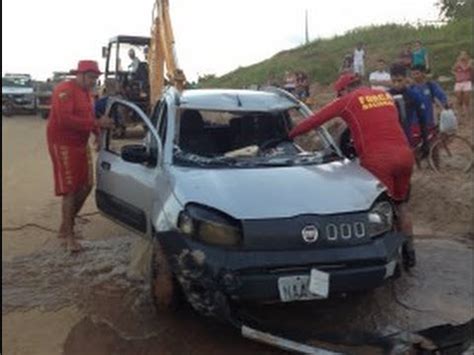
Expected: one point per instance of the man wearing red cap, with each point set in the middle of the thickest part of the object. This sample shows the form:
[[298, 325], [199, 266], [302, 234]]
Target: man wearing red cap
[[70, 123], [379, 141]]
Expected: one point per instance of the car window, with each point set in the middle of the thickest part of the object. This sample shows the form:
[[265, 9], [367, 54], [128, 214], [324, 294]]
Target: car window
[[155, 116], [309, 142], [246, 139], [129, 129], [214, 133], [112, 64], [159, 119], [163, 123]]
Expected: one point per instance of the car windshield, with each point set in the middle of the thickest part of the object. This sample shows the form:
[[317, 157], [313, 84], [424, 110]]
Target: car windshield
[[247, 139], [16, 82]]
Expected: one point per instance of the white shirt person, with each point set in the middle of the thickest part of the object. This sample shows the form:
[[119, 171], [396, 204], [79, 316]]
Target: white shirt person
[[380, 79], [359, 57]]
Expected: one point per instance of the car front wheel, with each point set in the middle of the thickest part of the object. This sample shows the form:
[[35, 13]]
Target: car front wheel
[[7, 109], [164, 289]]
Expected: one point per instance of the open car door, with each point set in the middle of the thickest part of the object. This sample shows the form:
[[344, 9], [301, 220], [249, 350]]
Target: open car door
[[128, 168]]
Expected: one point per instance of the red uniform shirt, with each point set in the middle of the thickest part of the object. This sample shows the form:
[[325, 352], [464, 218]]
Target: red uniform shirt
[[372, 118], [72, 118], [378, 137]]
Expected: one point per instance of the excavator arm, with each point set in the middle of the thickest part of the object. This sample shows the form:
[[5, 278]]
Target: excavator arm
[[162, 55]]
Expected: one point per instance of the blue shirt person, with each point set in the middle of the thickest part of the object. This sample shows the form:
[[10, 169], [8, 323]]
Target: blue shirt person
[[431, 92], [419, 56], [410, 104]]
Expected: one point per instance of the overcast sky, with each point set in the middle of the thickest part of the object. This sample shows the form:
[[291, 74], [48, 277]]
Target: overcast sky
[[212, 36]]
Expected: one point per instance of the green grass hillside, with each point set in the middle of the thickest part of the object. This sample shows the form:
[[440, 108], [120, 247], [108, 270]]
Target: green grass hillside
[[322, 58]]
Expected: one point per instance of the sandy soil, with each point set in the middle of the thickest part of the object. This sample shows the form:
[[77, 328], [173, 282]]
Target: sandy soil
[[28, 198], [55, 304]]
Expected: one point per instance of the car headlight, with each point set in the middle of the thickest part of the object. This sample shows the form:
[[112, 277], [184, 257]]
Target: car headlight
[[380, 218], [210, 226]]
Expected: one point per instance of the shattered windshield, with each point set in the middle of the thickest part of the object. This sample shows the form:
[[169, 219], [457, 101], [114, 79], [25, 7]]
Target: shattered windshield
[[246, 139]]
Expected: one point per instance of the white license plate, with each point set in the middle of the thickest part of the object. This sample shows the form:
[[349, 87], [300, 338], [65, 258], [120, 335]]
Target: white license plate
[[297, 288]]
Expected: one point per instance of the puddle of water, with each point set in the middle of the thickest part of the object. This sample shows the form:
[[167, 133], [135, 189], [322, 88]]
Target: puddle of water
[[121, 317], [50, 278]]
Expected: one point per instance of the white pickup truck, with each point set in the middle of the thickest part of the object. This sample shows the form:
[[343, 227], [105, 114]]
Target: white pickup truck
[[17, 94]]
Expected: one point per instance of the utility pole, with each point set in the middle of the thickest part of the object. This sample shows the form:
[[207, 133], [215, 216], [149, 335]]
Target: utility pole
[[306, 26]]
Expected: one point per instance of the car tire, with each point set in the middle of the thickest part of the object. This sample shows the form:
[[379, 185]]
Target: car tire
[[198, 286], [7, 109], [408, 256], [164, 288]]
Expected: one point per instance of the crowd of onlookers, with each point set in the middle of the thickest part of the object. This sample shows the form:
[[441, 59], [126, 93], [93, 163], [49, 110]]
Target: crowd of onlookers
[[411, 55], [415, 59], [297, 83]]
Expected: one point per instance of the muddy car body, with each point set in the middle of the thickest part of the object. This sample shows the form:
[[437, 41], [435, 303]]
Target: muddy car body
[[241, 214]]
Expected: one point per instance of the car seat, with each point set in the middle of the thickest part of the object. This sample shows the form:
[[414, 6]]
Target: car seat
[[192, 135]]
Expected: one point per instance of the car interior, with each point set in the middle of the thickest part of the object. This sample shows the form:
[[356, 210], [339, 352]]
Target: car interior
[[212, 136]]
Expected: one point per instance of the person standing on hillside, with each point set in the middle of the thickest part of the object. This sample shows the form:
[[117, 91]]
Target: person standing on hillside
[[419, 57], [379, 141], [405, 56], [290, 82], [380, 79], [70, 123], [347, 64], [302, 86], [359, 58], [463, 72]]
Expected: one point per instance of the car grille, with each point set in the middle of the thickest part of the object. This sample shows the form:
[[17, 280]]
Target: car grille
[[23, 99], [345, 231], [307, 231]]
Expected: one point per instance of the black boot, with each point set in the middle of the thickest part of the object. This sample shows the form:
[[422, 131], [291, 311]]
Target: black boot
[[408, 253]]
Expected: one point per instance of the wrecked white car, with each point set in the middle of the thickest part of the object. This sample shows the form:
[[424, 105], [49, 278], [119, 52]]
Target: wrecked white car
[[236, 212]]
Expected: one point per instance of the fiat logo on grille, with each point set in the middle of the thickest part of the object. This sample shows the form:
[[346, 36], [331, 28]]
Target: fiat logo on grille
[[310, 233]]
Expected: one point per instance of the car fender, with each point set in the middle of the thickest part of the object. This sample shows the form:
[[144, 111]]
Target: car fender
[[164, 214]]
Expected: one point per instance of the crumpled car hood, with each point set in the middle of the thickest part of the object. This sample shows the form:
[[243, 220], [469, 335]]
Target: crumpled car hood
[[280, 192]]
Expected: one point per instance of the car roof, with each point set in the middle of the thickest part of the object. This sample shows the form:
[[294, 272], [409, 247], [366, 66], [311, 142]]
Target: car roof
[[234, 100]]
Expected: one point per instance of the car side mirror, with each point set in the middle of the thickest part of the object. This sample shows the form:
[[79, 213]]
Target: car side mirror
[[105, 52], [135, 153]]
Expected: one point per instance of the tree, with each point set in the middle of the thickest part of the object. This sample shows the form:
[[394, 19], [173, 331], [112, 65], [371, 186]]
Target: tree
[[205, 77], [456, 9]]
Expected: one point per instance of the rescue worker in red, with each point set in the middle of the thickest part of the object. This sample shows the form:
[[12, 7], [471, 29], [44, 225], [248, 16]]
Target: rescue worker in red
[[379, 142], [70, 123]]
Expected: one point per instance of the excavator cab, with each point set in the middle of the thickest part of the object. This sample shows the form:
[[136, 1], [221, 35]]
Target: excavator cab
[[126, 70]]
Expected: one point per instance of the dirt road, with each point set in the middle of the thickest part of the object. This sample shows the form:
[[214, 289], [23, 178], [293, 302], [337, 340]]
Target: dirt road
[[91, 304]]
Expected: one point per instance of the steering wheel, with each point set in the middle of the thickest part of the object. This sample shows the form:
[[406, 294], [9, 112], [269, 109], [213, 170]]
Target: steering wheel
[[346, 144]]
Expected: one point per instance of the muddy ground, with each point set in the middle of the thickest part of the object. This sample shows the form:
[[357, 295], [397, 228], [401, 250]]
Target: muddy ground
[[95, 303]]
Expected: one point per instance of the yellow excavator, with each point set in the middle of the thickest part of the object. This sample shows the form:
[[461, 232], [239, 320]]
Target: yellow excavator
[[162, 55], [156, 62]]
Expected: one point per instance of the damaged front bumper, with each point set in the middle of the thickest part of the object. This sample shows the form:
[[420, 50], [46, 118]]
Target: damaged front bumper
[[249, 275]]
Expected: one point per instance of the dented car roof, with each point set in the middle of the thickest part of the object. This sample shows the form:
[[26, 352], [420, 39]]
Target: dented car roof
[[234, 100]]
